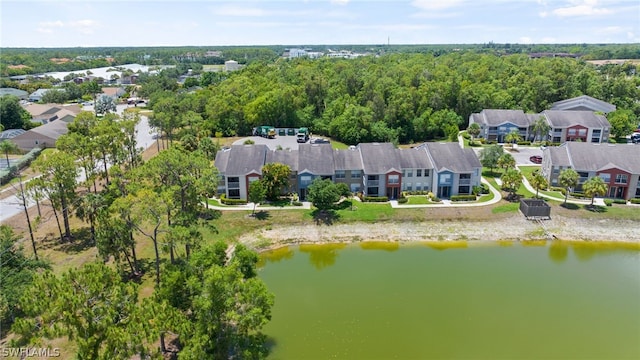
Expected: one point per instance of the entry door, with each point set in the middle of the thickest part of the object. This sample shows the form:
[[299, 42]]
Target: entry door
[[612, 192], [444, 191]]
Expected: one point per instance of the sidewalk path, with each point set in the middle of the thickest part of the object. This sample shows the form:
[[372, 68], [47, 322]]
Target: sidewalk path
[[597, 201]]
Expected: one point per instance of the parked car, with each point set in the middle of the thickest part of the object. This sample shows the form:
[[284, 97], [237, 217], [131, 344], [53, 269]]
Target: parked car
[[635, 138], [536, 159]]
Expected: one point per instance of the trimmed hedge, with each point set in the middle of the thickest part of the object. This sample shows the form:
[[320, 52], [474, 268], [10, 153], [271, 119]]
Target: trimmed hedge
[[403, 200], [620, 201], [608, 202], [224, 200], [296, 203], [635, 201], [416, 192], [560, 189], [524, 143], [463, 198], [375, 199]]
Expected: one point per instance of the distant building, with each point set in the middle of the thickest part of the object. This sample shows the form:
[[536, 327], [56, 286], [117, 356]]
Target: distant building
[[584, 102], [20, 94], [231, 65], [37, 95], [43, 136], [46, 113]]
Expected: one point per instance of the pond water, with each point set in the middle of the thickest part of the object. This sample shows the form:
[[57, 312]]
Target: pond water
[[454, 301]]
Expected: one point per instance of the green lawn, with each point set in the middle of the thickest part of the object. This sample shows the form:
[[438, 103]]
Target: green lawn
[[366, 212], [338, 145], [511, 207], [418, 200]]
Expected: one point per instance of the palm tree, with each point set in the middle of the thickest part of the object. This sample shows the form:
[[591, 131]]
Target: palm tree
[[568, 179], [512, 137], [473, 130], [7, 147], [511, 181], [593, 187], [538, 181], [506, 161], [540, 127]]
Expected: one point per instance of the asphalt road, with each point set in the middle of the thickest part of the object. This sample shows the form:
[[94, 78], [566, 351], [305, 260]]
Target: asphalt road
[[12, 205]]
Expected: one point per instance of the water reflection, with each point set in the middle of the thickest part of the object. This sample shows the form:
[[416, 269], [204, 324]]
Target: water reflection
[[558, 251], [444, 245], [380, 245], [323, 255], [587, 250], [275, 255]]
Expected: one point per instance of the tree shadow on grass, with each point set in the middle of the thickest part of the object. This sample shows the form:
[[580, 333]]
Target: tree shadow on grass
[[570, 206], [79, 242], [595, 208], [325, 217], [344, 205], [262, 215]]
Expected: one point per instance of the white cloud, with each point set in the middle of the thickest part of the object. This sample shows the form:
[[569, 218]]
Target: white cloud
[[340, 2], [525, 40], [232, 10], [612, 30], [581, 8], [85, 26], [436, 4]]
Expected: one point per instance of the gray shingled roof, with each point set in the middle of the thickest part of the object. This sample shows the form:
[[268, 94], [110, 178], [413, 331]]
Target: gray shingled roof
[[287, 157], [597, 157], [14, 92], [379, 158], [316, 159], [452, 157], [414, 158], [558, 155], [347, 159], [566, 118], [496, 117], [222, 159], [52, 129], [584, 102], [245, 159]]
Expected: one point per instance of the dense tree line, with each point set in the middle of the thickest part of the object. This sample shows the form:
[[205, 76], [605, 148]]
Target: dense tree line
[[207, 301], [38, 60], [399, 98]]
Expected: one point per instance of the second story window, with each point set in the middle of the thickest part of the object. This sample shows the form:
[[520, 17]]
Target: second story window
[[621, 179], [419, 173], [340, 174]]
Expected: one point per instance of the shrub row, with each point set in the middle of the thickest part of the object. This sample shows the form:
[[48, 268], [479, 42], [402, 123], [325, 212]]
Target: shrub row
[[620, 201], [635, 201], [296, 203], [524, 143], [463, 198], [579, 195], [403, 200], [224, 200], [375, 199], [560, 189], [416, 192], [481, 189]]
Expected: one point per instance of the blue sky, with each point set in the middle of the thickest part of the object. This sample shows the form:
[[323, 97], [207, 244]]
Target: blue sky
[[67, 23]]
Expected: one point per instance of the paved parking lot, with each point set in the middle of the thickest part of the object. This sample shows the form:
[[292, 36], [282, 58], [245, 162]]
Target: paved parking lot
[[522, 155], [286, 142]]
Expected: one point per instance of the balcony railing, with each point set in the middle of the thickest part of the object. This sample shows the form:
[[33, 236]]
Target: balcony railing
[[233, 185], [372, 183], [464, 181]]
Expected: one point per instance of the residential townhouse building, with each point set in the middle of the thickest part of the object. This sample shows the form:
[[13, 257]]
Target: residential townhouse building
[[374, 169], [314, 161], [455, 170], [496, 124], [348, 168], [617, 164], [576, 125], [238, 166]]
